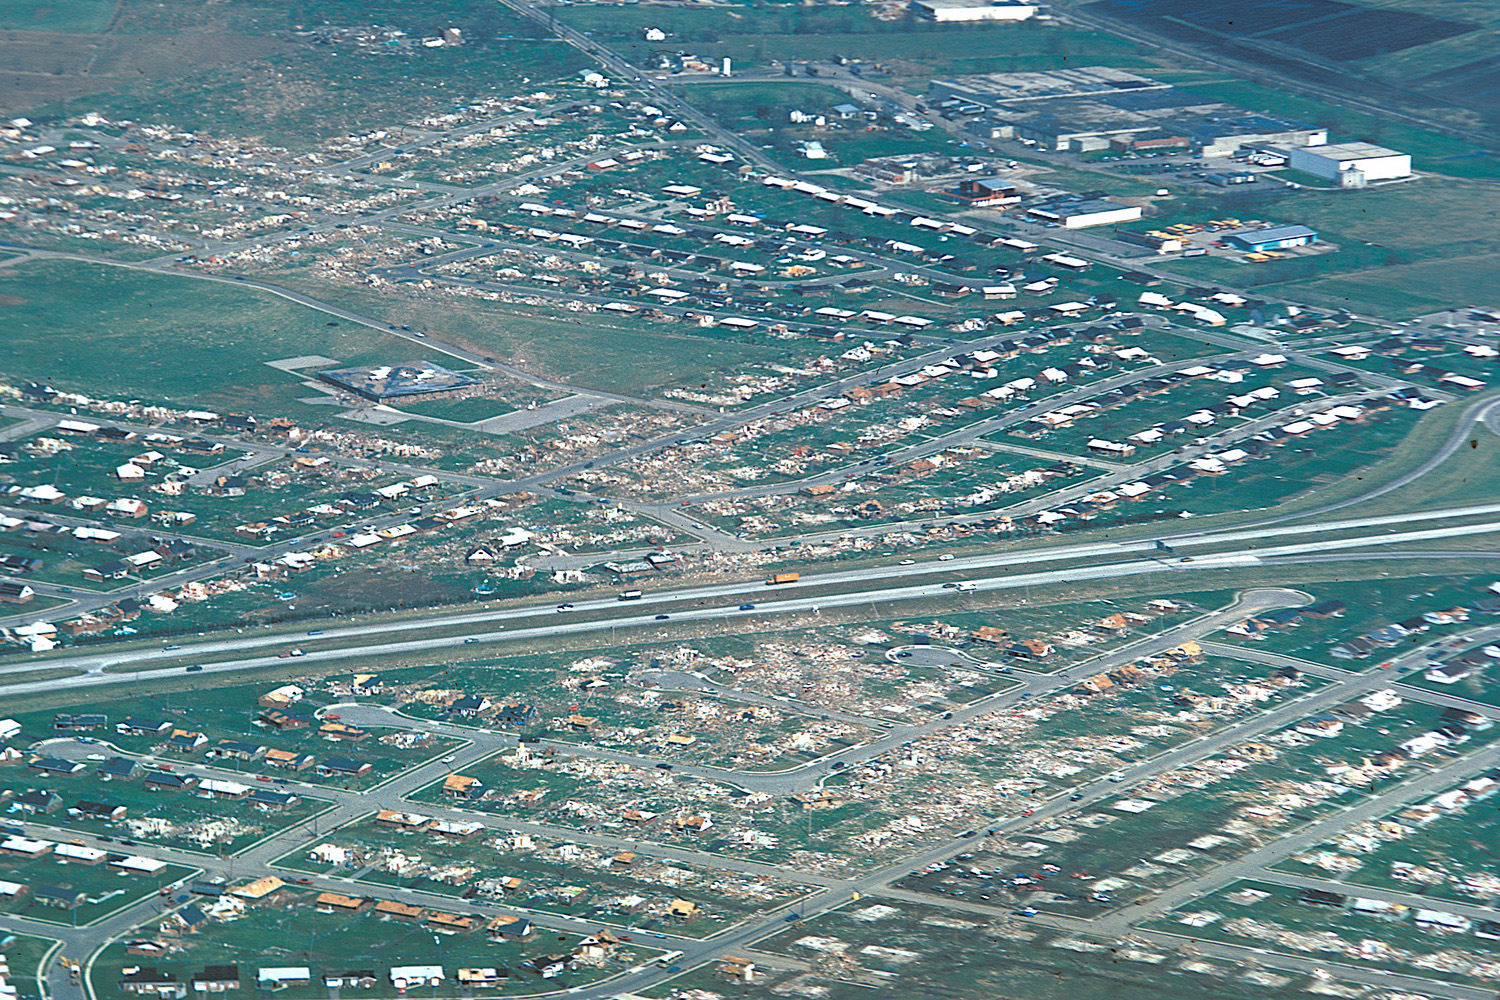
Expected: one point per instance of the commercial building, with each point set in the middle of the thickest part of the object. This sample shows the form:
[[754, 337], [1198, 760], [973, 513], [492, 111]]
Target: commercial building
[[385, 382], [987, 191], [959, 11], [1096, 108], [1271, 238], [1150, 142], [1231, 178], [1084, 213], [1161, 243], [1352, 164]]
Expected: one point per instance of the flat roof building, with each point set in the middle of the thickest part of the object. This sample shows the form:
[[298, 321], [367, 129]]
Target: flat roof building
[[386, 382], [1352, 164], [959, 11], [1084, 213], [1271, 238]]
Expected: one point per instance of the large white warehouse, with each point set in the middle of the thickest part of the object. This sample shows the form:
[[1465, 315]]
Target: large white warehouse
[[972, 10], [1352, 164], [1082, 214]]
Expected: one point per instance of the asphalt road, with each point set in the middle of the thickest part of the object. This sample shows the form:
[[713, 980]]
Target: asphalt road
[[614, 615]]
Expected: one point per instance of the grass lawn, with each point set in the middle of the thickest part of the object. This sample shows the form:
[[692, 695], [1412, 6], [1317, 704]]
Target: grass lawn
[[1192, 819], [64, 558], [1406, 290], [1470, 475], [57, 15], [183, 342], [24, 955], [338, 92], [1296, 469], [1373, 603], [756, 105], [760, 110], [587, 350], [88, 467], [465, 411], [758, 33], [1428, 434]]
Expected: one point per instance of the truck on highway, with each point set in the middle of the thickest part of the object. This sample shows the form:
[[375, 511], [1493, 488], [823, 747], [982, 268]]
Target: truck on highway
[[782, 578], [630, 595]]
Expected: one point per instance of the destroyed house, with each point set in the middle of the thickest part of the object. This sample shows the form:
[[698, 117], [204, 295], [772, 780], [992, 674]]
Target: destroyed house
[[1322, 897], [148, 981], [515, 715], [78, 723], [267, 799]]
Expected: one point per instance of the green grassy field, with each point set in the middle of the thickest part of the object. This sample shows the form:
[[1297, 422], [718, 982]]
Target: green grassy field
[[757, 33], [1130, 855], [88, 467], [1470, 475], [180, 341], [56, 15], [1406, 290], [1373, 603], [587, 350], [759, 110], [183, 820]]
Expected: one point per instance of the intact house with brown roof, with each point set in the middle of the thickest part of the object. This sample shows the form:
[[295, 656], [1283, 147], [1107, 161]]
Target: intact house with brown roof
[[288, 760], [400, 911], [335, 902], [458, 923]]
